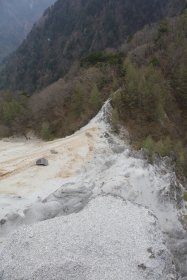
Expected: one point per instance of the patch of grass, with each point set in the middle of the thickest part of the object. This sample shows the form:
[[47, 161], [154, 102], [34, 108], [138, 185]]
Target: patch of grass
[[185, 196]]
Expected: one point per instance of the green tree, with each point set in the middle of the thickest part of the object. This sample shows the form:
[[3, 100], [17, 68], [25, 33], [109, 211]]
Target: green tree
[[181, 80], [11, 110], [131, 96], [154, 91], [77, 102], [95, 101], [146, 90], [45, 131]]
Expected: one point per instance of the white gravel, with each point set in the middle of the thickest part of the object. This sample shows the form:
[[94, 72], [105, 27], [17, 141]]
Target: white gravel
[[109, 239]]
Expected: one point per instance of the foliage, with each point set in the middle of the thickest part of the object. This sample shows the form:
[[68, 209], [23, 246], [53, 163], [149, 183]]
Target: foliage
[[163, 29], [12, 107], [16, 20], [153, 100], [185, 196], [115, 120], [71, 30], [164, 147], [150, 74], [77, 101], [45, 131], [103, 57], [145, 89], [95, 100], [149, 145], [11, 110], [181, 80]]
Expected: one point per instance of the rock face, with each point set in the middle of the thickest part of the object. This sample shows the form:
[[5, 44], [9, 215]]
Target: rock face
[[42, 161], [109, 239]]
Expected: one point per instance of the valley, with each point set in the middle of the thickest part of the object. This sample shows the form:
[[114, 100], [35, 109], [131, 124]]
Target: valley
[[93, 142]]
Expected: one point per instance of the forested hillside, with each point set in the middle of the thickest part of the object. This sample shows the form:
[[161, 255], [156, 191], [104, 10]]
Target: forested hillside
[[16, 20], [152, 102], [93, 144], [148, 70], [151, 73], [71, 29]]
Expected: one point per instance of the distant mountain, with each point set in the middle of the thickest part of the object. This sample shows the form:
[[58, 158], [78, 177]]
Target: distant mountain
[[72, 28], [16, 20]]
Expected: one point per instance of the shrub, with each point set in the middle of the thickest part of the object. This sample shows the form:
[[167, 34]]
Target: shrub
[[181, 153], [95, 101], [185, 196], [4, 131], [146, 90], [113, 59], [154, 62], [164, 147], [45, 131], [77, 102], [149, 145], [181, 80], [11, 109]]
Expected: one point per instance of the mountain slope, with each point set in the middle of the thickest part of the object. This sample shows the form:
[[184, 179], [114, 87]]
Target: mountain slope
[[90, 166], [16, 20], [71, 29]]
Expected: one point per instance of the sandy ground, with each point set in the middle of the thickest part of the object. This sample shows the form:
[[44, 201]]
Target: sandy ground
[[21, 181]]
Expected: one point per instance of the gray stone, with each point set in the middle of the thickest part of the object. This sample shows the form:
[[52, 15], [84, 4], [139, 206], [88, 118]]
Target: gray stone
[[53, 152], [142, 266], [118, 149], [2, 222], [42, 162]]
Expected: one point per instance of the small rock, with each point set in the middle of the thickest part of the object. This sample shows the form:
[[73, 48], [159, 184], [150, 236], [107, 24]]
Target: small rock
[[42, 161], [118, 149], [106, 135], [152, 255], [2, 222], [54, 152], [142, 266]]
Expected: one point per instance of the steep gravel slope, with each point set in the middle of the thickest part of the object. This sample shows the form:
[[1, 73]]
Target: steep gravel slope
[[110, 239], [110, 200]]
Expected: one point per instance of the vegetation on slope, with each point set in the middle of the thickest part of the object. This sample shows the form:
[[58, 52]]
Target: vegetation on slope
[[71, 29], [17, 18], [152, 102], [150, 72], [66, 105]]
